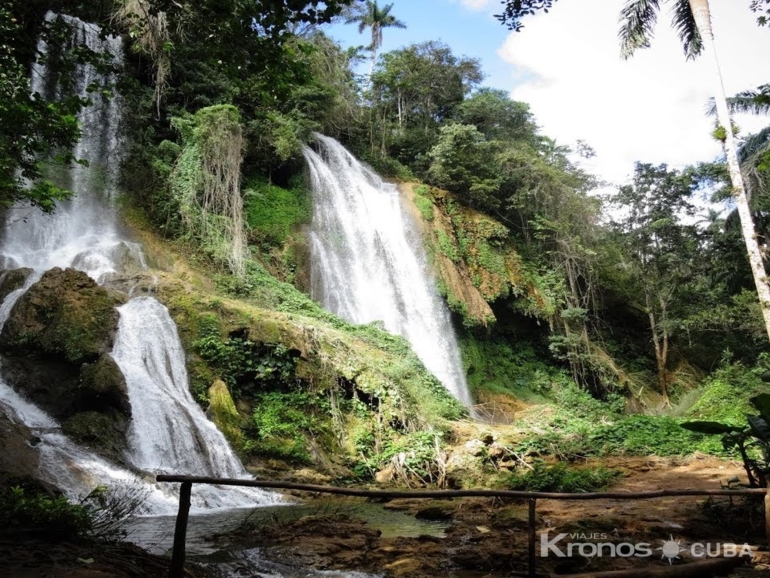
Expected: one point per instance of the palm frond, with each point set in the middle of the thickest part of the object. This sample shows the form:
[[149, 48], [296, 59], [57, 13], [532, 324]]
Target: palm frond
[[752, 156], [754, 145], [746, 102], [637, 25], [684, 23]]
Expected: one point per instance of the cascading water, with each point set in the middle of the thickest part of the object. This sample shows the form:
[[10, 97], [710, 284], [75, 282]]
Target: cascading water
[[83, 232], [368, 261], [169, 431]]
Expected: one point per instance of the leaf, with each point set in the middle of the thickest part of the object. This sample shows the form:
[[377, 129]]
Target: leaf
[[709, 427], [762, 403], [759, 427]]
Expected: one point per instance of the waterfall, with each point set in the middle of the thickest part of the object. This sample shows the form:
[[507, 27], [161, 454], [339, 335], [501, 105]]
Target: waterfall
[[168, 431], [368, 262], [83, 232]]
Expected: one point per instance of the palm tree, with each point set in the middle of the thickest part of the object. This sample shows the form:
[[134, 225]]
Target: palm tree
[[372, 16], [692, 21], [746, 102]]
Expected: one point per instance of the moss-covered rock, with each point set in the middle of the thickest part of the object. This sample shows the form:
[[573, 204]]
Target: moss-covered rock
[[475, 259], [12, 280], [102, 432], [224, 414], [102, 386], [65, 315]]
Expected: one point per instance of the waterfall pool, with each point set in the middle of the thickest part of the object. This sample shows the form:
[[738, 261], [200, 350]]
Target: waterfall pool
[[156, 533]]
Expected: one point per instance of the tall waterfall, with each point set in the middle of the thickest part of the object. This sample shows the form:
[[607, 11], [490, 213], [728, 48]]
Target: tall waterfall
[[368, 261], [168, 432]]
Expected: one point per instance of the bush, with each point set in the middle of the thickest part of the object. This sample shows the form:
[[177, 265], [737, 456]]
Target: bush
[[42, 514], [101, 515], [281, 422], [273, 212], [561, 477]]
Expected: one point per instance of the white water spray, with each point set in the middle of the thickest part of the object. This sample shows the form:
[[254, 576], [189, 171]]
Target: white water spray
[[368, 262]]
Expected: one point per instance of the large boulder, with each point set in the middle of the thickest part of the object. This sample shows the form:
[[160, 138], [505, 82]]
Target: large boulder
[[102, 385], [65, 315], [104, 432]]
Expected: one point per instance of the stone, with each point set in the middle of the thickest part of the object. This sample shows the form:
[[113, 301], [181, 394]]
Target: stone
[[223, 413], [102, 385], [103, 432], [65, 315], [475, 448], [12, 280], [385, 475]]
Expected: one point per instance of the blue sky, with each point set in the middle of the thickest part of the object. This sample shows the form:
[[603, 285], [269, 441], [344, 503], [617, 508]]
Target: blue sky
[[474, 33], [566, 66]]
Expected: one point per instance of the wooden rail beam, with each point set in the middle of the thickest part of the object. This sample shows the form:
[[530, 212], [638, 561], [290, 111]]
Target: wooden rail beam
[[444, 494]]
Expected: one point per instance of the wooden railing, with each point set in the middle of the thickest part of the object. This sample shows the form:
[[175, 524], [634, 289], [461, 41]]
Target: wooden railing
[[180, 531]]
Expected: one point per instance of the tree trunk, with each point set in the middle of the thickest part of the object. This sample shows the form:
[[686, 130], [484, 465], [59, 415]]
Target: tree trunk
[[661, 351], [702, 14]]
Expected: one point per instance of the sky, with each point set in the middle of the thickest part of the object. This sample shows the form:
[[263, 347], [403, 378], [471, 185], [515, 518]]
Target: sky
[[567, 66]]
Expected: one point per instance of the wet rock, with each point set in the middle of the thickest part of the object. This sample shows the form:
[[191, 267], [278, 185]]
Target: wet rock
[[435, 513], [102, 385], [50, 383], [19, 458], [65, 315], [103, 432], [12, 280]]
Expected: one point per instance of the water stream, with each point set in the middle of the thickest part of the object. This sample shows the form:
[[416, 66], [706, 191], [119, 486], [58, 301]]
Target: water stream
[[368, 262]]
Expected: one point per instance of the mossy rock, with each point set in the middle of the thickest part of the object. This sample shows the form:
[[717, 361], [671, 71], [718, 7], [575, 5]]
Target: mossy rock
[[102, 386], [223, 413], [12, 280], [66, 315], [103, 432]]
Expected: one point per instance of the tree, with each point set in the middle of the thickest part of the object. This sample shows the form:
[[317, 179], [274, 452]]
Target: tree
[[692, 20], [662, 250], [33, 127], [376, 18]]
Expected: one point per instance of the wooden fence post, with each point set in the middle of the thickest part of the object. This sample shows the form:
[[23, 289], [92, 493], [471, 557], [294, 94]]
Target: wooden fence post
[[767, 515], [180, 532], [532, 528]]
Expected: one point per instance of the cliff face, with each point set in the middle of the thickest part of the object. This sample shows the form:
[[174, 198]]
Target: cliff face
[[475, 261]]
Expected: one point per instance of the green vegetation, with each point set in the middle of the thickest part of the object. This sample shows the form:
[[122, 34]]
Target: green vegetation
[[751, 442], [561, 477], [273, 213], [101, 515], [284, 421]]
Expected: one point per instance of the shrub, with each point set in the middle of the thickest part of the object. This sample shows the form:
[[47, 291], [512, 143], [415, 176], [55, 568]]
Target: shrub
[[561, 477]]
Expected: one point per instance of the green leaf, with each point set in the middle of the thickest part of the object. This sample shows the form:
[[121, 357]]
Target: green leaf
[[709, 427]]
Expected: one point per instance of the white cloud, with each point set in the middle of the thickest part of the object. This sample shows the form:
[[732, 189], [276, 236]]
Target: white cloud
[[650, 108], [475, 4]]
